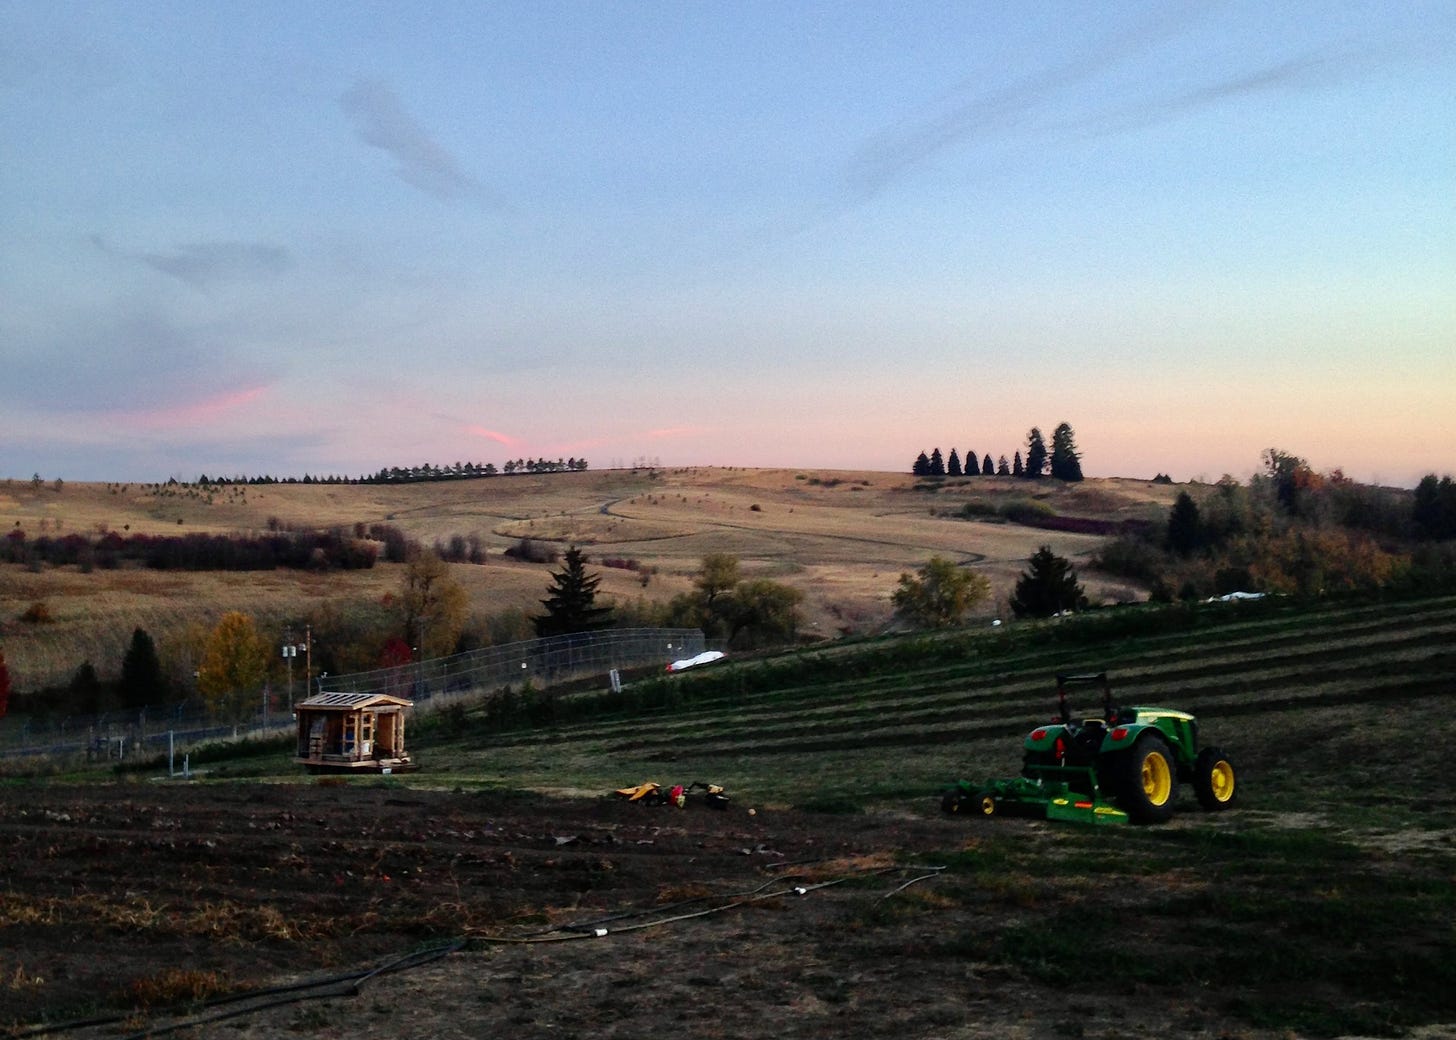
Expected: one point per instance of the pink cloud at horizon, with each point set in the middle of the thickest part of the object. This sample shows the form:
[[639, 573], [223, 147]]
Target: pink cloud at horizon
[[670, 432], [494, 435], [208, 409]]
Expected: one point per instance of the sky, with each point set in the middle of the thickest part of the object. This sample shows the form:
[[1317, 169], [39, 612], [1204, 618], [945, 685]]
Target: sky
[[324, 238]]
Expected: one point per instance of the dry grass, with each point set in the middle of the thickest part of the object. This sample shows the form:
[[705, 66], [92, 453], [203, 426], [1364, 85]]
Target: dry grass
[[173, 986], [19, 978], [842, 538]]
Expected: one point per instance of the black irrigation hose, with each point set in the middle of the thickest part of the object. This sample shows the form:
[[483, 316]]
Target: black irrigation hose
[[346, 985], [298, 990], [349, 984], [591, 926]]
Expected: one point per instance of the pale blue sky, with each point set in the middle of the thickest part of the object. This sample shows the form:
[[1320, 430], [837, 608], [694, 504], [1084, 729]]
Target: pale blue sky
[[294, 238]]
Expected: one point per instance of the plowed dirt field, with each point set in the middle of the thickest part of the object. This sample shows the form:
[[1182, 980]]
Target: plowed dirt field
[[264, 910]]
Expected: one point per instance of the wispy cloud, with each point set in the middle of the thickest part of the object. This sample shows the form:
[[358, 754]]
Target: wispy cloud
[[203, 264], [1028, 103], [1303, 73], [895, 151], [494, 435], [200, 412], [381, 122]]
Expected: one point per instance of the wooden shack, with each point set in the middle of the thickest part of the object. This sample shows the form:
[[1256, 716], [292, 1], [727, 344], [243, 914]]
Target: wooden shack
[[352, 732]]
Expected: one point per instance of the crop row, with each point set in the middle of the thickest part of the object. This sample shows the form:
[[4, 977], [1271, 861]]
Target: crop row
[[1328, 657]]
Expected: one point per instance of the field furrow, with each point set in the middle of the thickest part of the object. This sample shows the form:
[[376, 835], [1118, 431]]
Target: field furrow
[[1329, 659]]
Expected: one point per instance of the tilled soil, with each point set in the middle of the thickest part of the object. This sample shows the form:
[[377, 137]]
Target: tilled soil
[[133, 909]]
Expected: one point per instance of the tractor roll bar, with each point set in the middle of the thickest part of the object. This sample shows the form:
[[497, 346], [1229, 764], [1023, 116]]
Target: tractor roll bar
[[1084, 679]]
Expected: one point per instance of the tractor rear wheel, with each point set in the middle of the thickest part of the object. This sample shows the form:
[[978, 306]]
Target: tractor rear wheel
[[1213, 779], [1144, 780], [950, 802]]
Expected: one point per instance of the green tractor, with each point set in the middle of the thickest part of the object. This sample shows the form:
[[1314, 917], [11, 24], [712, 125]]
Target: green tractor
[[1121, 766]]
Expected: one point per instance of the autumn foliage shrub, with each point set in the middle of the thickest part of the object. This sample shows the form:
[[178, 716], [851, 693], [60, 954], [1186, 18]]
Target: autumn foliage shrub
[[532, 551], [37, 614]]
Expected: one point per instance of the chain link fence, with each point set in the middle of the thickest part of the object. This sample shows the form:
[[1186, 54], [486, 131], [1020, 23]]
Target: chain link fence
[[540, 662]]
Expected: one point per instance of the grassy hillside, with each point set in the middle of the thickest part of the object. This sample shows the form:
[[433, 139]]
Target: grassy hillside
[[1313, 703], [841, 538]]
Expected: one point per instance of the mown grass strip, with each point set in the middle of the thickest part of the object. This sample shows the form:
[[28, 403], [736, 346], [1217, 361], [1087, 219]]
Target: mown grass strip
[[1312, 932]]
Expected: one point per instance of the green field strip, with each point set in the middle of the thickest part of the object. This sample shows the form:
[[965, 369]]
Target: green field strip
[[1225, 695], [1370, 693], [989, 689], [923, 727], [1190, 685], [1027, 698], [750, 735]]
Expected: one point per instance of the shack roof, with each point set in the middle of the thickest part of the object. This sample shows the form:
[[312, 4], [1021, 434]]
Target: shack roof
[[353, 701]]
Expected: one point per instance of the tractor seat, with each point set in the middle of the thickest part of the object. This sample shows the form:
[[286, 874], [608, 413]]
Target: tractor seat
[[1086, 741]]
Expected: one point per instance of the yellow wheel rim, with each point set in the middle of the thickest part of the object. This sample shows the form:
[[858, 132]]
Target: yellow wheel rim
[[1221, 781], [1157, 778], [988, 806]]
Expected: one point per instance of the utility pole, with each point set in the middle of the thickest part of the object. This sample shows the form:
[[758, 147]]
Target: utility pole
[[290, 651], [307, 659]]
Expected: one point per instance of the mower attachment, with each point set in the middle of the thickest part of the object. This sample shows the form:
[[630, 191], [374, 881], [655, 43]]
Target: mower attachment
[[1037, 799]]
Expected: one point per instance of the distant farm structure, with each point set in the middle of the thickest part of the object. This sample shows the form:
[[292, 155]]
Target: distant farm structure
[[353, 733]]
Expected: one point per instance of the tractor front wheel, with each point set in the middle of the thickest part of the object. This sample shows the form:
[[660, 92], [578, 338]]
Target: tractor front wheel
[[1145, 780], [1213, 779]]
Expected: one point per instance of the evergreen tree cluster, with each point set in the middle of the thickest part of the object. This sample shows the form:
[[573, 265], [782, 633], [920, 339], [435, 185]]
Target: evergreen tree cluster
[[407, 474], [1433, 512], [1061, 460], [142, 684]]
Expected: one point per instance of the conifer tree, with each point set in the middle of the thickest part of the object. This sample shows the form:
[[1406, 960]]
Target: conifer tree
[[1066, 463], [1433, 508], [937, 464], [988, 468], [953, 464], [1036, 454], [1049, 586], [1183, 533], [571, 603], [142, 681], [87, 693]]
